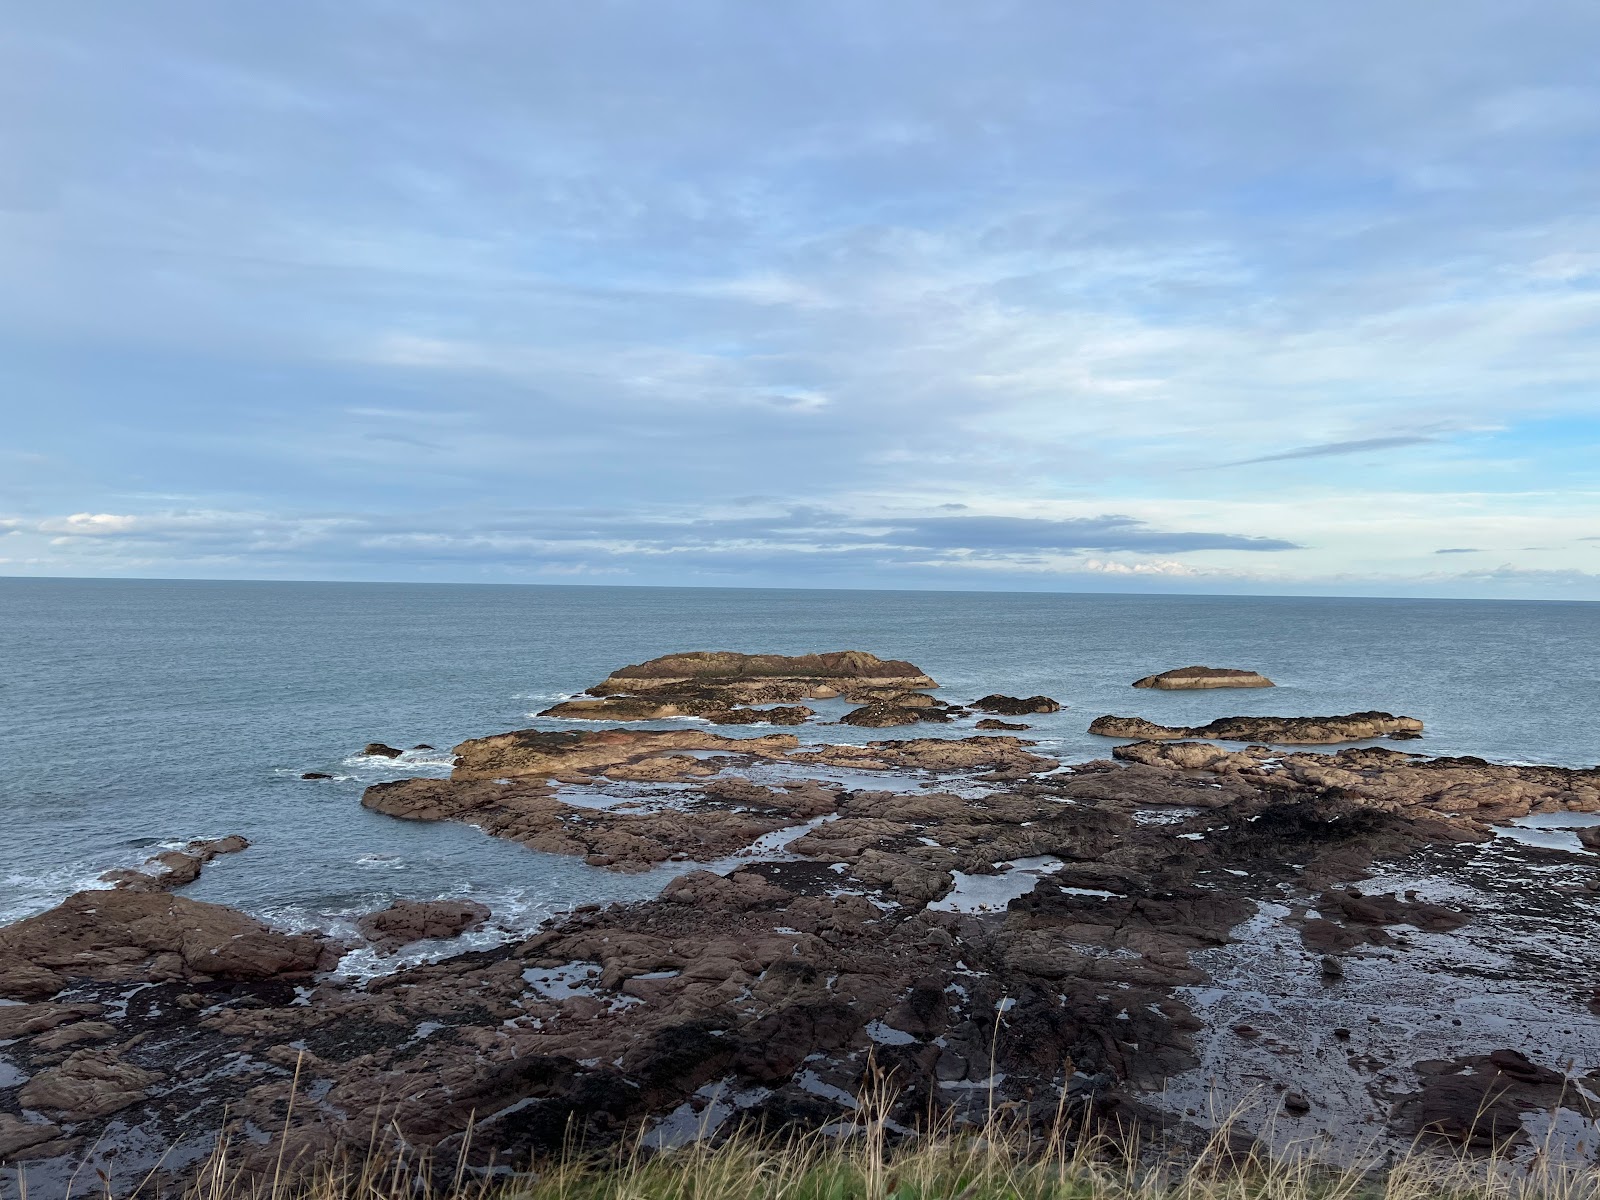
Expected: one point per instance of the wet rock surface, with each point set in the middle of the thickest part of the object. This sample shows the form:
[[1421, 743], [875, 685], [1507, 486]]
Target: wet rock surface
[[1352, 727], [1197, 678], [1143, 940]]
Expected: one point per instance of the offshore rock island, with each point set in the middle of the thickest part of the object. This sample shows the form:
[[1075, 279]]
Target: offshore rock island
[[1353, 949]]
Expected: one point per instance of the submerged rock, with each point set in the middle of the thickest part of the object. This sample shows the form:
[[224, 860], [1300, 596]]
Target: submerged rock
[[1352, 727], [1191, 678]]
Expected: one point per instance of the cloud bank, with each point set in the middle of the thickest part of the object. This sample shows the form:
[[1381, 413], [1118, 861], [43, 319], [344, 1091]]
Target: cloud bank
[[924, 295]]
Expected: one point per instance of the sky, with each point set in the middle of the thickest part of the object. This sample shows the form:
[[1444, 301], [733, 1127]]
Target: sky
[[1233, 297]]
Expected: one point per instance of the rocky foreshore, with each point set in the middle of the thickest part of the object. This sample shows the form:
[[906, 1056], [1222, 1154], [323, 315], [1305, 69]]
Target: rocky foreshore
[[1346, 946]]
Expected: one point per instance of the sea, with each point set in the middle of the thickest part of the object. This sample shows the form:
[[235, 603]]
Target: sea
[[138, 714]]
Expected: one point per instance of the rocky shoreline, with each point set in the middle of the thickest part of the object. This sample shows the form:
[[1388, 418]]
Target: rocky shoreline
[[1348, 946]]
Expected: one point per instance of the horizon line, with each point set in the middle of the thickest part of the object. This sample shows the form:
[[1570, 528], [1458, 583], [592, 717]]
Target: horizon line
[[715, 587]]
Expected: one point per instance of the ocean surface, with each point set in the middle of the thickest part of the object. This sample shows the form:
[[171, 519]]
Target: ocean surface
[[138, 713]]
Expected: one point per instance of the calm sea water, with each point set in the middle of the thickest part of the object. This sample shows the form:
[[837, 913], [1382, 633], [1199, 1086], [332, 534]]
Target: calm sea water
[[139, 712]]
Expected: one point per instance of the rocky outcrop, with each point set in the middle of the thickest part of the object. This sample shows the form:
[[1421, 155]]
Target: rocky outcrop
[[1192, 678], [379, 750], [1353, 727], [407, 921], [174, 868], [1012, 706], [991, 723], [724, 687], [122, 936], [830, 673]]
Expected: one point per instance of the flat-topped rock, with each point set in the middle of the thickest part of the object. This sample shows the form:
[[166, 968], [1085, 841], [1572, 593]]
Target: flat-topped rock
[[1352, 727], [1193, 678]]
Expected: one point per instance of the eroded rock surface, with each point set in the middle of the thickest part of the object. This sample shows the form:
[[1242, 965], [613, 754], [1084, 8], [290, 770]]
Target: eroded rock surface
[[1352, 727], [1194, 678]]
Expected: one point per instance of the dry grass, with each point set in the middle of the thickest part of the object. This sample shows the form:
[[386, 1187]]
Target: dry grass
[[866, 1162]]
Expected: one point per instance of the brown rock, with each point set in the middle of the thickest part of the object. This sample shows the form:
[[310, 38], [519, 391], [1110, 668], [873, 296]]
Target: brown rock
[[407, 921], [130, 936], [379, 750], [991, 723], [1190, 678], [1353, 727]]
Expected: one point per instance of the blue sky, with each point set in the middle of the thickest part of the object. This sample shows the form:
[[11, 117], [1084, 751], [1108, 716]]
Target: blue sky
[[1234, 297]]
